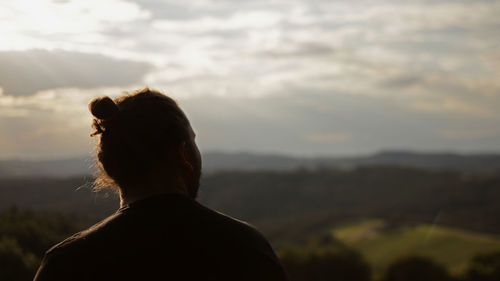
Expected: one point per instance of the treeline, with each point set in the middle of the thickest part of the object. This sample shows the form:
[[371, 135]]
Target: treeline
[[305, 200], [322, 257], [25, 235], [348, 265], [69, 195], [302, 201]]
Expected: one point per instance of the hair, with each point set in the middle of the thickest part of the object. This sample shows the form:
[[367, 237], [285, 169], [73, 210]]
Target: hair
[[138, 133]]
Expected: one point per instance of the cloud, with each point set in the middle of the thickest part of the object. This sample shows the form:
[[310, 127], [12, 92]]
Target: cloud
[[402, 81], [48, 124], [451, 105], [238, 21], [44, 140], [56, 123], [468, 134], [26, 72], [299, 49], [46, 17], [328, 137], [264, 76], [61, 102]]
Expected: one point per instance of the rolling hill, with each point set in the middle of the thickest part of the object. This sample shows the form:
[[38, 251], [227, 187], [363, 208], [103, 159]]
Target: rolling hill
[[301, 200], [381, 245], [217, 161]]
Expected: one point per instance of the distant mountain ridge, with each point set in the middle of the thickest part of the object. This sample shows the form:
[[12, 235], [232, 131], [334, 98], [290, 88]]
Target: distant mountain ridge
[[430, 161], [221, 161], [47, 168]]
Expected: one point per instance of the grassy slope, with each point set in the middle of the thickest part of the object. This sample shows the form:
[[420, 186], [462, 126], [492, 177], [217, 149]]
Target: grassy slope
[[447, 246]]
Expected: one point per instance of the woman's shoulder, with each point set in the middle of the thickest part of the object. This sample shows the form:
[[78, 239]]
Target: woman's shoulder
[[82, 239]]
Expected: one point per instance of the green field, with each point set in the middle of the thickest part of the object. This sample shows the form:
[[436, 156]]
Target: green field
[[381, 245]]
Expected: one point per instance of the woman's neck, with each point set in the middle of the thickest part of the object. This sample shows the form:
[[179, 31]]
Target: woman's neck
[[132, 194]]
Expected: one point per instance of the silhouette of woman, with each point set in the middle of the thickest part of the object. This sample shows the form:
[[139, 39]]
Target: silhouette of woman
[[147, 152]]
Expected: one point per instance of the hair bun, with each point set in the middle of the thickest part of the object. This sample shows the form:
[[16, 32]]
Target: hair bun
[[103, 107]]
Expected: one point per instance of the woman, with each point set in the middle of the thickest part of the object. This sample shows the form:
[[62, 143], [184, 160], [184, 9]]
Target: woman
[[147, 152]]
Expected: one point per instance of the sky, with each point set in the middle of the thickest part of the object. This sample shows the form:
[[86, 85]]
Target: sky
[[297, 77]]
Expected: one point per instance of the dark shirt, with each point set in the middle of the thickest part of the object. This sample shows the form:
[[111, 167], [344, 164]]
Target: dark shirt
[[164, 237]]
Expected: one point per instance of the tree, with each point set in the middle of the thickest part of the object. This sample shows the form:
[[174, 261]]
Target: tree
[[340, 264], [15, 264], [484, 267], [416, 269]]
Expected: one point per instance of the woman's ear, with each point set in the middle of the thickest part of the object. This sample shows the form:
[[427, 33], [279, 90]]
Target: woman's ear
[[185, 156]]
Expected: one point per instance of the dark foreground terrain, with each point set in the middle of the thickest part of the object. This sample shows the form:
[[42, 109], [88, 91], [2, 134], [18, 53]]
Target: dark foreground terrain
[[326, 224]]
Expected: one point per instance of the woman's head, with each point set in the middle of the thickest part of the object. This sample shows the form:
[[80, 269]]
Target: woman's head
[[142, 137]]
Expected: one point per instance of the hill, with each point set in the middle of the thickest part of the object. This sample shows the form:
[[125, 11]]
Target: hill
[[382, 212], [298, 202], [381, 244], [214, 162]]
